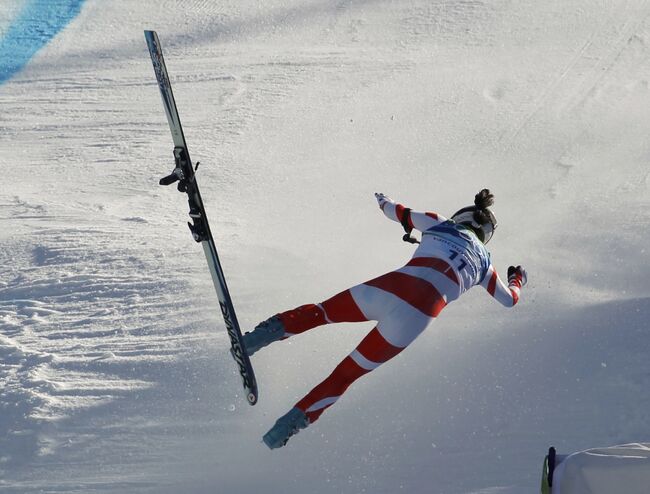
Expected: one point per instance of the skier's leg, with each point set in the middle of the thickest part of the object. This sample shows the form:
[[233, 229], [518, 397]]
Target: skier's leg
[[363, 302], [373, 351], [404, 306], [401, 320], [370, 354], [339, 308]]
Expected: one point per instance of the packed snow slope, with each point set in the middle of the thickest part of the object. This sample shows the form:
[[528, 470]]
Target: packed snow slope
[[113, 356]]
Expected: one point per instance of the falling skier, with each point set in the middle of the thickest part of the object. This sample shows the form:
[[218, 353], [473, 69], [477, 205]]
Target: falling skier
[[450, 260]]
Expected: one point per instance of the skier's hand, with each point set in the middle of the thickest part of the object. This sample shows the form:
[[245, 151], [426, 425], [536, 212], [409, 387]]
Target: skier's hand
[[382, 199], [517, 275]]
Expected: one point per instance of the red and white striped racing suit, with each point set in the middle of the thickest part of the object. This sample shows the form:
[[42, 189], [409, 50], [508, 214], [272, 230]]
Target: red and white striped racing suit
[[447, 263]]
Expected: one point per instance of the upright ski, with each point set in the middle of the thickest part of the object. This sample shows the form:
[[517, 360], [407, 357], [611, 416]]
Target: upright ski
[[184, 174]]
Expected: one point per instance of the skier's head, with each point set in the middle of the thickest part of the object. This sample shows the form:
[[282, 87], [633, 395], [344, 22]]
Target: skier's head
[[478, 217]]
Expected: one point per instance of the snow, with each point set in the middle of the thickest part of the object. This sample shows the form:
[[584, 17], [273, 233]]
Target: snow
[[113, 355]]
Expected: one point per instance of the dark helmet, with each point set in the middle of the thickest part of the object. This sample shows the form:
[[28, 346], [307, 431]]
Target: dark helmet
[[478, 217]]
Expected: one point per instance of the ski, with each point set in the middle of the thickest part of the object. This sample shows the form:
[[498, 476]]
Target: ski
[[184, 174]]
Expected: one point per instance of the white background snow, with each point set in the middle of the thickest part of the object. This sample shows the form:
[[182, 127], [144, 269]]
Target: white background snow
[[113, 355]]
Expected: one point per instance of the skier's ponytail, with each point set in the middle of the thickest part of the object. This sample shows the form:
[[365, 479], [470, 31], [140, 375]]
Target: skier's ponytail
[[483, 200]]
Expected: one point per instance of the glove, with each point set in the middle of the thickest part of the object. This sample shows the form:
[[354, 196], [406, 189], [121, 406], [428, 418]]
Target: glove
[[382, 199], [517, 275]]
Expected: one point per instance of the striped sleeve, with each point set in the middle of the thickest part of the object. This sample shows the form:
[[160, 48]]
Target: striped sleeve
[[507, 295], [417, 220]]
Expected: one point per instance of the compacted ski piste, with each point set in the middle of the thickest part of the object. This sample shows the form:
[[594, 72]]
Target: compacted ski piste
[[116, 369]]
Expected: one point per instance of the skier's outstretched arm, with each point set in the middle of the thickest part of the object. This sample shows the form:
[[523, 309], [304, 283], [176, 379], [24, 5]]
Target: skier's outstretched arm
[[414, 219], [506, 295]]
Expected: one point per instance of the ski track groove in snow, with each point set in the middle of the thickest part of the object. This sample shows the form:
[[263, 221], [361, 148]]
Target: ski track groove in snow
[[588, 67], [623, 37]]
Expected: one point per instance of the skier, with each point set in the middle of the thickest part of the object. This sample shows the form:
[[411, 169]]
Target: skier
[[450, 260]]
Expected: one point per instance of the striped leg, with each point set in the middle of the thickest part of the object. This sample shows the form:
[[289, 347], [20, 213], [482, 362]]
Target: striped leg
[[339, 308], [373, 351], [404, 305]]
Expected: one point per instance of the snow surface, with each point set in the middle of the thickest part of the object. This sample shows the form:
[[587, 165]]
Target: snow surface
[[113, 355]]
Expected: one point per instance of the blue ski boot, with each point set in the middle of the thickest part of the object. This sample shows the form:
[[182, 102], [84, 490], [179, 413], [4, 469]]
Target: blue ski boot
[[264, 334], [285, 427]]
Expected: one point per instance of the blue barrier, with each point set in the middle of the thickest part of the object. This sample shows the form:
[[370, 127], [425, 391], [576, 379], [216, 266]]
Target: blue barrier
[[34, 26]]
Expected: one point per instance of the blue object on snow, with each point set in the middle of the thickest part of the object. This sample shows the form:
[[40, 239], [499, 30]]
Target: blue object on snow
[[34, 26]]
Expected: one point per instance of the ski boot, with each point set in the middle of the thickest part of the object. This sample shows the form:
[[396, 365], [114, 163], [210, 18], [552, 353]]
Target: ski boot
[[285, 427], [264, 334]]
